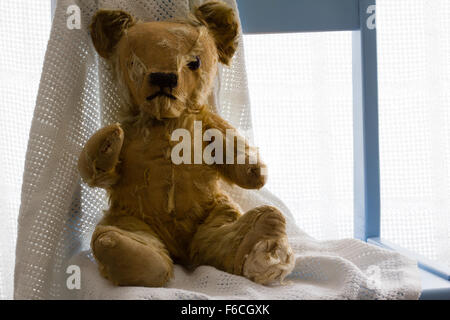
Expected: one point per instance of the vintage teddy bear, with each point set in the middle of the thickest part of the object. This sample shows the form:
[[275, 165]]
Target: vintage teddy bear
[[162, 212]]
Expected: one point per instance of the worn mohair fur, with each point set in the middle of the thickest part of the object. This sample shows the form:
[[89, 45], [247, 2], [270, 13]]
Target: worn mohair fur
[[161, 212]]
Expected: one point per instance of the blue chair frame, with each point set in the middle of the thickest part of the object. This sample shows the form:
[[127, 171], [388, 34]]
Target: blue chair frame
[[342, 15], [357, 16]]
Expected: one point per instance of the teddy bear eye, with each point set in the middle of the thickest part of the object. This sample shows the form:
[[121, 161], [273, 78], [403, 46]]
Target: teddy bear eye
[[194, 65]]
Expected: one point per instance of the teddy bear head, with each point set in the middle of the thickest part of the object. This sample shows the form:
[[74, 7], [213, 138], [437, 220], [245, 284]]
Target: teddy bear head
[[166, 67]]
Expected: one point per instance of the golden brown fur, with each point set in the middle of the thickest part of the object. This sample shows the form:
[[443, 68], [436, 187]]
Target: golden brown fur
[[161, 212]]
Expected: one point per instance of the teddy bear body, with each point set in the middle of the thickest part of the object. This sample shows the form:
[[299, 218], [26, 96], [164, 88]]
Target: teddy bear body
[[172, 198], [163, 211]]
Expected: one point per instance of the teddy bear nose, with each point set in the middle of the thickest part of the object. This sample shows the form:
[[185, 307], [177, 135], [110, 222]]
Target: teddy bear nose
[[164, 80]]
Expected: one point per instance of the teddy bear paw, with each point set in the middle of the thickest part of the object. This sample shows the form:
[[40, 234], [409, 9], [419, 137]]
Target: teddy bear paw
[[269, 261]]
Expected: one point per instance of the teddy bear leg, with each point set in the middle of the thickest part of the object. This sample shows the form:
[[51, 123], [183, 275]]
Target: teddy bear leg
[[264, 254], [129, 253], [253, 245], [216, 239]]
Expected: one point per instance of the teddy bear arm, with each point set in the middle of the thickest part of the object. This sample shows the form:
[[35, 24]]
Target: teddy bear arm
[[247, 176], [245, 169], [100, 156]]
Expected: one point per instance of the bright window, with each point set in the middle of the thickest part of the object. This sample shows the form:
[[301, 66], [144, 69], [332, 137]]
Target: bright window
[[24, 31], [414, 108], [301, 95]]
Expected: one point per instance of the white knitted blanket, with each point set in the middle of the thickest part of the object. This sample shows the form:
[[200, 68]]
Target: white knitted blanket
[[57, 216], [342, 269]]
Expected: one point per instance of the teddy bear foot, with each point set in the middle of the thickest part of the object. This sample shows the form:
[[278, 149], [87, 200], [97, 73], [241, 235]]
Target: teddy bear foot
[[264, 255], [269, 261], [127, 262]]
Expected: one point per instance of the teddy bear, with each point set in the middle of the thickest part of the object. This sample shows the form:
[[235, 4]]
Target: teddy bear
[[163, 211]]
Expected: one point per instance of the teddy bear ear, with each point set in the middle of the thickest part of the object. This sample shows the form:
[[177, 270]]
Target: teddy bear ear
[[223, 25], [107, 28]]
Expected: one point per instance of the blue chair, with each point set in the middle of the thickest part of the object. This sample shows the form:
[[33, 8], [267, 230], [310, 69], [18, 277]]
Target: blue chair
[[358, 16]]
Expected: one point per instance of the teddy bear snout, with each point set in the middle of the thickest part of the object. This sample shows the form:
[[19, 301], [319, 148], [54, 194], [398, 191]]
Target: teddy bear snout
[[163, 80]]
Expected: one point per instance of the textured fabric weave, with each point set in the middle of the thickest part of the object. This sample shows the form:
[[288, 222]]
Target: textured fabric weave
[[58, 214], [22, 50], [414, 100]]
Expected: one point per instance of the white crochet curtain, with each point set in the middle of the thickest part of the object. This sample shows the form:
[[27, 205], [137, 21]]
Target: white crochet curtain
[[24, 31], [314, 177]]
